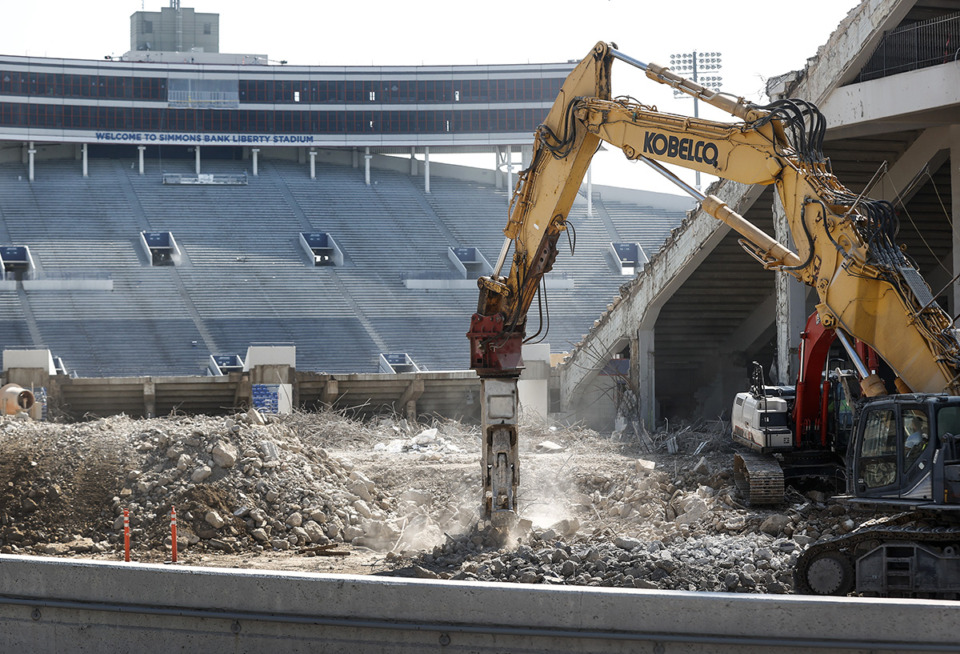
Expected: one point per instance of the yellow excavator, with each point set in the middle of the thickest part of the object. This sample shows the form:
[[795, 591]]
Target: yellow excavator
[[868, 292]]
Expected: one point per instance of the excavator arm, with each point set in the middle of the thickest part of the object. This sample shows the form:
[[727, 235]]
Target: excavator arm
[[866, 285]]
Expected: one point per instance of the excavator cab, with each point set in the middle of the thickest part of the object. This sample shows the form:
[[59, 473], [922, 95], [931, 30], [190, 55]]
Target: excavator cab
[[906, 453], [904, 458]]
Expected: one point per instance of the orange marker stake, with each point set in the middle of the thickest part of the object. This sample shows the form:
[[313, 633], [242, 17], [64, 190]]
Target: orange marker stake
[[126, 535], [173, 533]]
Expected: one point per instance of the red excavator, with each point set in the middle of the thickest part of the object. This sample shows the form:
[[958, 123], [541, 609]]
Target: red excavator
[[799, 434]]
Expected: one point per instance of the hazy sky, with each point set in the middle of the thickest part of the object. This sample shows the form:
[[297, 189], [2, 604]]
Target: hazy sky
[[757, 41]]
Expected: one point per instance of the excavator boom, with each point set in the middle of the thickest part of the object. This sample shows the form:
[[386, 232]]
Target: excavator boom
[[865, 284]]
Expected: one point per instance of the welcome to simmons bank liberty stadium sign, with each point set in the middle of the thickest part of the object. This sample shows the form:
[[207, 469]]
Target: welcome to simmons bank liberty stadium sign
[[194, 138]]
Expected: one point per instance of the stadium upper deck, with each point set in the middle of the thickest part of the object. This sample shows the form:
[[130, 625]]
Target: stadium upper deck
[[206, 101]]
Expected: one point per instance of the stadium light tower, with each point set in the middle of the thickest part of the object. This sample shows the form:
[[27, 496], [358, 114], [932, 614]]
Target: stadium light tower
[[702, 68]]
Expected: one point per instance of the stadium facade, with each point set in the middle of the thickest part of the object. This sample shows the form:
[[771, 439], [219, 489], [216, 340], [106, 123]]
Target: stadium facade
[[138, 101]]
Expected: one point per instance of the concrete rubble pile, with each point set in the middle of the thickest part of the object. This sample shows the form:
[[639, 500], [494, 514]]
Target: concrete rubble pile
[[654, 530], [247, 485], [238, 484]]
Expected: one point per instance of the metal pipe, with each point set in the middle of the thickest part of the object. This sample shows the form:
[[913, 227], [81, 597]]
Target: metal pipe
[[673, 178], [775, 254], [854, 357], [616, 54]]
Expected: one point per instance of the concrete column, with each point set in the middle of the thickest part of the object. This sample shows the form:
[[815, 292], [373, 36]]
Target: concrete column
[[408, 400], [366, 165], [355, 158], [413, 162], [509, 173], [313, 164], [646, 373], [140, 149], [330, 393], [149, 398], [955, 207], [526, 156], [31, 154], [426, 170], [590, 190], [791, 314], [196, 152], [83, 153], [256, 159]]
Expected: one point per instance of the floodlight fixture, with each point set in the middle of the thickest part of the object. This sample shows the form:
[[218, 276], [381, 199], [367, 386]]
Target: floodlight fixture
[[702, 68]]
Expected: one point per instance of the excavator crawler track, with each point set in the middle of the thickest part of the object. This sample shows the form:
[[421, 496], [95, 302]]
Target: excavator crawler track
[[901, 528], [758, 478]]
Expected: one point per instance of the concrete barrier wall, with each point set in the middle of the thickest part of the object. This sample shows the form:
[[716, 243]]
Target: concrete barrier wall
[[453, 394], [59, 605]]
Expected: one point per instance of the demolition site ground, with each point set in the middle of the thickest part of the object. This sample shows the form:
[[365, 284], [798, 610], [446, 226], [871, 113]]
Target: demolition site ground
[[326, 493]]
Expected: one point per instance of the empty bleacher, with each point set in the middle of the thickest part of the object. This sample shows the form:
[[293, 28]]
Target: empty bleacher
[[649, 226], [14, 331], [244, 279]]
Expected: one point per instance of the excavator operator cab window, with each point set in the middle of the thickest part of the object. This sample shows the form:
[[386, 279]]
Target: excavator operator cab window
[[948, 432], [844, 388], [916, 431], [878, 449]]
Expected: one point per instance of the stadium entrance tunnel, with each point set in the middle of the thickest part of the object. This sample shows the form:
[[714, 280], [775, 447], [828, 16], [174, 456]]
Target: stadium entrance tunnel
[[15, 262], [160, 247], [321, 249]]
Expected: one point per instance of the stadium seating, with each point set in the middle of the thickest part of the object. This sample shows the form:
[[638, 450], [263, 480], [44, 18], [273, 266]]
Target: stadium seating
[[242, 277]]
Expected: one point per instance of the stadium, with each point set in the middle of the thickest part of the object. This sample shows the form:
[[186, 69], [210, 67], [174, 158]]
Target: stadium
[[177, 214]]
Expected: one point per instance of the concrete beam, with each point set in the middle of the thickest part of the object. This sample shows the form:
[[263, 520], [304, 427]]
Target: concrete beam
[[911, 100], [931, 149], [849, 47], [449, 394]]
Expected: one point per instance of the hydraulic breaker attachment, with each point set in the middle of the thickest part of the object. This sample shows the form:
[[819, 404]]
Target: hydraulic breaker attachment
[[500, 461]]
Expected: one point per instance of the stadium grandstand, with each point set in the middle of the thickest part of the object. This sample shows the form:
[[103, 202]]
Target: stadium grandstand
[[177, 204]]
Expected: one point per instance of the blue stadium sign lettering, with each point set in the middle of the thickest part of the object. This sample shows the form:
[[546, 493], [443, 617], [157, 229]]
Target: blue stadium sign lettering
[[148, 137]]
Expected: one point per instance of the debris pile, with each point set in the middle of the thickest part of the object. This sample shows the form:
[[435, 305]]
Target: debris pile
[[596, 511], [238, 484], [677, 527]]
